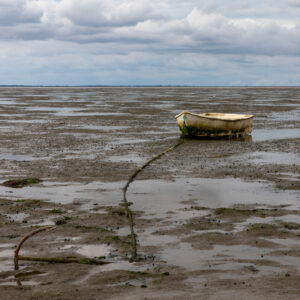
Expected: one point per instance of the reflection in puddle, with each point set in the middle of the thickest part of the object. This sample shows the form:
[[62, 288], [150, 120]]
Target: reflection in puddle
[[147, 237], [18, 282], [94, 250], [21, 279], [102, 193], [90, 250], [116, 265], [159, 197]]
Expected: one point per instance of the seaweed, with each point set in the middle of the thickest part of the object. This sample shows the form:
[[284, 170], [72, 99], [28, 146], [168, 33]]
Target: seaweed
[[20, 183]]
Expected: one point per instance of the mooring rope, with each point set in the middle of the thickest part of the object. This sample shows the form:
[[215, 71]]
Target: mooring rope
[[126, 204]]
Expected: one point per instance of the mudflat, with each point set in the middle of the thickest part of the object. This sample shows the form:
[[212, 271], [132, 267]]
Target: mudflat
[[214, 219]]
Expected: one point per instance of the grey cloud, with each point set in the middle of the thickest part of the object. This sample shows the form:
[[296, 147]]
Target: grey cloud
[[246, 35], [136, 25], [19, 11], [294, 3]]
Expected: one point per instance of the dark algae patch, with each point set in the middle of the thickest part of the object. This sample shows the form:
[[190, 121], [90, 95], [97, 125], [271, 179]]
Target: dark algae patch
[[20, 183], [56, 211], [291, 226]]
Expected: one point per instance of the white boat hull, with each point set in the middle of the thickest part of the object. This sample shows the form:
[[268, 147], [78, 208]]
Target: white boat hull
[[214, 124]]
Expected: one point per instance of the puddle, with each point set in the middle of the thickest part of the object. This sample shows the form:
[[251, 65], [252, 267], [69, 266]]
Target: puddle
[[187, 257], [117, 142], [47, 221], [69, 239], [287, 242], [126, 158], [183, 255], [260, 135], [16, 217], [268, 220], [7, 253], [90, 250], [17, 282], [6, 257], [7, 245], [261, 157], [289, 176], [261, 271], [116, 265], [94, 250], [104, 128], [41, 109], [12, 114], [70, 112], [147, 238], [286, 116], [285, 260], [7, 102], [9, 156], [79, 155], [159, 197], [34, 121], [18, 279], [100, 192]]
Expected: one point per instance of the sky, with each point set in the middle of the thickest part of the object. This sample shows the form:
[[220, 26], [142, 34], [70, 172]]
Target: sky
[[150, 42]]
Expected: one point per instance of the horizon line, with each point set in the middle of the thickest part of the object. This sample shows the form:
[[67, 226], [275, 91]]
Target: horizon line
[[150, 85]]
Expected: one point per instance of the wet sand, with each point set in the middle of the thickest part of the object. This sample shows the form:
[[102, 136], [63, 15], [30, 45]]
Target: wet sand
[[217, 219]]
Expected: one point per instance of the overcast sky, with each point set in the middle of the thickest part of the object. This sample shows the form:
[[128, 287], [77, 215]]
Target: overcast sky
[[149, 42]]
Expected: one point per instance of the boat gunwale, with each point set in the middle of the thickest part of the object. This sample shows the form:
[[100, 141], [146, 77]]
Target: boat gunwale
[[215, 118]]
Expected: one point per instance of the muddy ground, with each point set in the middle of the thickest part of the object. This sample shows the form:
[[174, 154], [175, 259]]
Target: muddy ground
[[215, 219]]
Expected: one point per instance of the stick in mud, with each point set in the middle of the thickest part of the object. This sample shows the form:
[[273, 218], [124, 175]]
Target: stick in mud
[[126, 204]]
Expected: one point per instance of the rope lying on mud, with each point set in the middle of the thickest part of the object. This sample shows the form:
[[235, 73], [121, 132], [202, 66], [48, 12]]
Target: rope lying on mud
[[126, 204], [79, 260]]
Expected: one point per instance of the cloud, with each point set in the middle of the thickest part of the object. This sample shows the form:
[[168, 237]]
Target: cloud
[[19, 12], [294, 3], [106, 12], [141, 24]]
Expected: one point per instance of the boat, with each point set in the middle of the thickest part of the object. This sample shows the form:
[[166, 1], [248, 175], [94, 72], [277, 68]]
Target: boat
[[214, 124]]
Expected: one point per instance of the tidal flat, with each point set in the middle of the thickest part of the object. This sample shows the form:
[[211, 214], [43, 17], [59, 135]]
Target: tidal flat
[[214, 219]]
